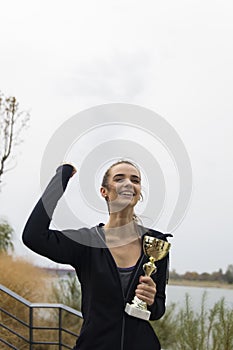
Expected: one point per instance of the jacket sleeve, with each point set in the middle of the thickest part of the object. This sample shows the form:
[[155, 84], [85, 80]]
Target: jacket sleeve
[[37, 235], [160, 278]]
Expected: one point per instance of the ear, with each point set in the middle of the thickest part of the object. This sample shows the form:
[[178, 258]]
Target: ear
[[104, 192]]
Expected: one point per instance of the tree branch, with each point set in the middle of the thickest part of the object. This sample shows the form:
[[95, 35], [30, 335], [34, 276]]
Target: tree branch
[[13, 123]]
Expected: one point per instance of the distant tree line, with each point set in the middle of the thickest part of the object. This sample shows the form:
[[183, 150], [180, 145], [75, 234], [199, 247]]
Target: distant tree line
[[218, 276]]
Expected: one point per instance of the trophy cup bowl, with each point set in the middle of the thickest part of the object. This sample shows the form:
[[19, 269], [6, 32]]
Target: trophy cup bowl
[[155, 249]]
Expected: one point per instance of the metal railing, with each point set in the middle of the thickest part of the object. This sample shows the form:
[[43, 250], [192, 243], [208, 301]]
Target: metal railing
[[60, 329]]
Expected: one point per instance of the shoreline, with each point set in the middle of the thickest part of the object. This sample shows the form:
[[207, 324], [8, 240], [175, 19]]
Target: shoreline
[[173, 282], [206, 284]]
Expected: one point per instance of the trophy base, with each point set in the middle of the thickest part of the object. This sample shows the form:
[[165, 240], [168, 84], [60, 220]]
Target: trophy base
[[136, 312]]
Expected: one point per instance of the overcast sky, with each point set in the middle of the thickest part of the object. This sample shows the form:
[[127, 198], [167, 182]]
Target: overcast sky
[[173, 57]]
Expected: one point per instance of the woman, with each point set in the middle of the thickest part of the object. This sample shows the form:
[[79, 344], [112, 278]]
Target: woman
[[110, 273]]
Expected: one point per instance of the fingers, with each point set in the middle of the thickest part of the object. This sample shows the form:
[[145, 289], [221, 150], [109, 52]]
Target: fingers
[[74, 169], [146, 290]]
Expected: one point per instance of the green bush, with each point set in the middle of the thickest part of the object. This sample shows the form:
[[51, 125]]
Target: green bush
[[67, 291], [165, 328], [209, 329]]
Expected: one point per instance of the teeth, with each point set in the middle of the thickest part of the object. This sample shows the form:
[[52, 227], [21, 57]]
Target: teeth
[[127, 193]]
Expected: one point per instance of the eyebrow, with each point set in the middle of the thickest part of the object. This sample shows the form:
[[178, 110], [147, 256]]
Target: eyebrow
[[134, 176]]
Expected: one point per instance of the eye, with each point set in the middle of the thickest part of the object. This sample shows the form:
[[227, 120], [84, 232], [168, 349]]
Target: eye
[[119, 179], [136, 180]]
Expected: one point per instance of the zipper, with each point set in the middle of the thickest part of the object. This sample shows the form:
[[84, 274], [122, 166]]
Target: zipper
[[123, 296], [125, 299], [107, 251], [122, 290], [123, 332]]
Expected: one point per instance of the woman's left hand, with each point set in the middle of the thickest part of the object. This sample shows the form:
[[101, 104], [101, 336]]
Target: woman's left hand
[[146, 290]]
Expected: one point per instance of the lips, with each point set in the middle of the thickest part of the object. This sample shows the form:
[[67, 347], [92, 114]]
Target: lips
[[127, 193]]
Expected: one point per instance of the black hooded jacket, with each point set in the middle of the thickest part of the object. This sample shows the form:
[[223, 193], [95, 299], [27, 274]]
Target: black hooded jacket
[[106, 326]]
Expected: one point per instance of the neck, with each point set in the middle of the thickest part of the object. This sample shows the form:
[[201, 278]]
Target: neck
[[121, 230], [120, 219]]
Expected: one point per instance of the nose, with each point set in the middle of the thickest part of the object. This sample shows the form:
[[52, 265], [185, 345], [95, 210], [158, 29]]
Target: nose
[[128, 183]]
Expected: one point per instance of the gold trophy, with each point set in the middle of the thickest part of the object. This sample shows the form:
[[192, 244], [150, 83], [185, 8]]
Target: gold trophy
[[155, 249]]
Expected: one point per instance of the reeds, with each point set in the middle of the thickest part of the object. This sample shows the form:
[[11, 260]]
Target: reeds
[[34, 285], [208, 329], [30, 283]]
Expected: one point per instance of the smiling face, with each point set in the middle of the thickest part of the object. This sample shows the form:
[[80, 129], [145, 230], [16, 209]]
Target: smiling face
[[123, 186]]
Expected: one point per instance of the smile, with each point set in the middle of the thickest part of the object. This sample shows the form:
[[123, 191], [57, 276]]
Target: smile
[[127, 193]]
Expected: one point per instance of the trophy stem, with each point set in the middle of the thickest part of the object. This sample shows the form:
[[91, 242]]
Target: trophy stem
[[150, 267]]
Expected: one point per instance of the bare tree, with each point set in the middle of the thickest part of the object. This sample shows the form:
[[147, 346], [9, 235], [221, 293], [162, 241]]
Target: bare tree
[[12, 124]]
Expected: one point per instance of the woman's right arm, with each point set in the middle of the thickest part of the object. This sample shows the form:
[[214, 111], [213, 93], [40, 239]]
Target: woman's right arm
[[37, 235]]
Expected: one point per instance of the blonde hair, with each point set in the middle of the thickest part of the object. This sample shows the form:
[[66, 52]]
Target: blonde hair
[[107, 173]]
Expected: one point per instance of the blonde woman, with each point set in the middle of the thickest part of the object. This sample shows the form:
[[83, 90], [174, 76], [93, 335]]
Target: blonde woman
[[108, 260]]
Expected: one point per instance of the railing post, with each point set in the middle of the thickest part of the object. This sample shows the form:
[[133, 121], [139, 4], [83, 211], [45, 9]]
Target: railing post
[[60, 328], [30, 328]]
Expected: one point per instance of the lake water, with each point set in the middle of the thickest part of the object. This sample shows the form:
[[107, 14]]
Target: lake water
[[176, 294]]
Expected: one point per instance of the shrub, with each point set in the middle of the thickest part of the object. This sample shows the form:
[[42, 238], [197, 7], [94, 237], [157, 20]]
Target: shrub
[[209, 329], [165, 328]]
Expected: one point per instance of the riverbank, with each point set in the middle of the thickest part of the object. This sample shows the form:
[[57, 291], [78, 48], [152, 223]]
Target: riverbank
[[204, 284], [173, 282]]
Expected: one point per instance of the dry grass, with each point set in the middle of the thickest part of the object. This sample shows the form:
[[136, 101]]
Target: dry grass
[[33, 284], [30, 283], [23, 278]]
